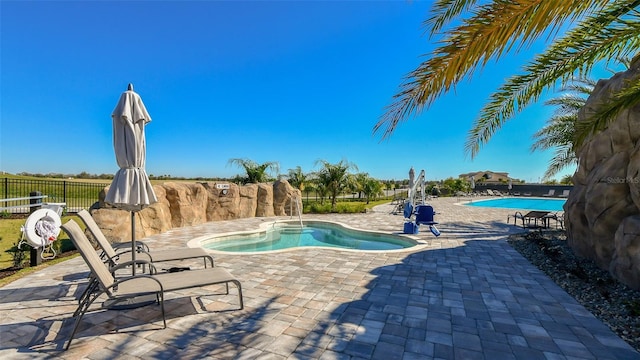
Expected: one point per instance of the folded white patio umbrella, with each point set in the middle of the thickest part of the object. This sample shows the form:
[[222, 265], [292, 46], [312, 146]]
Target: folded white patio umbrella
[[130, 189]]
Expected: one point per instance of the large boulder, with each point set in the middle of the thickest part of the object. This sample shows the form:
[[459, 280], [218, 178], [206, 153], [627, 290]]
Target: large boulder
[[286, 199], [625, 263], [248, 201], [603, 208], [187, 203], [265, 201], [223, 203], [116, 224]]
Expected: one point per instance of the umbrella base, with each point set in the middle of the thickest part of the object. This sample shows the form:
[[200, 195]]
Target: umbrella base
[[129, 303]]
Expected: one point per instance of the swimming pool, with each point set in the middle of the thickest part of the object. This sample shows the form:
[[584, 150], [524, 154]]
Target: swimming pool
[[521, 203], [290, 235]]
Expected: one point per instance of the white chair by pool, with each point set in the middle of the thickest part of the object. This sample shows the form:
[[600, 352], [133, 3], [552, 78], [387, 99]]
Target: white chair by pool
[[550, 193]]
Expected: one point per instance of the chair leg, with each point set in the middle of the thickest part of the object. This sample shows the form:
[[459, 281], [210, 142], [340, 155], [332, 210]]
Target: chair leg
[[82, 309], [91, 288], [240, 298], [160, 297]]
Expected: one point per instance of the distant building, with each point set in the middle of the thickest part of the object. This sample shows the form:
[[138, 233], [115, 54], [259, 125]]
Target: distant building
[[487, 177]]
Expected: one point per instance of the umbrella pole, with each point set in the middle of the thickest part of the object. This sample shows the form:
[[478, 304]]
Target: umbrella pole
[[137, 301], [133, 243]]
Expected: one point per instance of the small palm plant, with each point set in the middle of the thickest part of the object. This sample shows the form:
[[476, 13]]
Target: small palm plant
[[560, 131], [256, 173]]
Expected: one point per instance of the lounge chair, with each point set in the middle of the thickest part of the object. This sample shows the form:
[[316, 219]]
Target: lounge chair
[[550, 193], [139, 285], [565, 193], [490, 192], [124, 255]]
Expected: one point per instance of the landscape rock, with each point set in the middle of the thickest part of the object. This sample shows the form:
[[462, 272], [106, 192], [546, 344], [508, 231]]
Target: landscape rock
[[626, 259], [265, 201], [603, 208], [286, 200], [187, 204], [248, 201]]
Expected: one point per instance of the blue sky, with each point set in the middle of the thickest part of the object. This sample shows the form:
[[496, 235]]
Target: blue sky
[[283, 81]]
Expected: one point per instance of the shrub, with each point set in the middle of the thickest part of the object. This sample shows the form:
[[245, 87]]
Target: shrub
[[347, 208], [18, 254], [317, 208], [341, 208]]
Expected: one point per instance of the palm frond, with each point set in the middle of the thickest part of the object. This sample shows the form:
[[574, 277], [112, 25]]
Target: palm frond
[[607, 110], [580, 85], [446, 10], [558, 132], [564, 156], [567, 103], [491, 31], [602, 36]]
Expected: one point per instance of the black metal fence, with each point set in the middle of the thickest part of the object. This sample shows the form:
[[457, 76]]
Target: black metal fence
[[76, 195]]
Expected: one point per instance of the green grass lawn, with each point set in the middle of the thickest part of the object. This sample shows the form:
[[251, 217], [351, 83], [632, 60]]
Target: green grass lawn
[[10, 235]]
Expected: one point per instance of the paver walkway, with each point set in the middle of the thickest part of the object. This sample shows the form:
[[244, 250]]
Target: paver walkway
[[464, 295]]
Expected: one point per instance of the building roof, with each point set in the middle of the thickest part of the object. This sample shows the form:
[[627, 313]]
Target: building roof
[[487, 175]]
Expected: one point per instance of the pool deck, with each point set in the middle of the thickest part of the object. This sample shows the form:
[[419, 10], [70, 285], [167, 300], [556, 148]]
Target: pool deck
[[464, 295]]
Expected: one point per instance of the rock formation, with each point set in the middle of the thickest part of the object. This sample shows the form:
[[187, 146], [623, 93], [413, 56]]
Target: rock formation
[[187, 204], [603, 209]]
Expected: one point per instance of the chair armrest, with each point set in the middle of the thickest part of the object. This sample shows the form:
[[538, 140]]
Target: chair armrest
[[114, 286], [141, 246], [152, 268]]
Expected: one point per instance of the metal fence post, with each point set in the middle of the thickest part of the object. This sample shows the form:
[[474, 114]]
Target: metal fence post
[[35, 201], [34, 259]]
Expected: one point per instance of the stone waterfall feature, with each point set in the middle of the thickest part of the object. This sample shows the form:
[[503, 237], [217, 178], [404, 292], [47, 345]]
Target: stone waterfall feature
[[188, 204], [603, 209]]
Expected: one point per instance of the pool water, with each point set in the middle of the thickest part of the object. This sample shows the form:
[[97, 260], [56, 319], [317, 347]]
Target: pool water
[[521, 203], [288, 235]]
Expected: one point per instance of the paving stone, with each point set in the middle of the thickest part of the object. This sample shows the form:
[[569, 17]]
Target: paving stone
[[465, 294]]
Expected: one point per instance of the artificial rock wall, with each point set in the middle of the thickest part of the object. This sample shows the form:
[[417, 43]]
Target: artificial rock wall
[[187, 204], [603, 209]]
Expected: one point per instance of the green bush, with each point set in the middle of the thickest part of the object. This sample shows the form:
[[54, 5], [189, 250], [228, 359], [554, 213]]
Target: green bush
[[62, 245], [65, 245], [18, 254], [349, 208], [317, 208], [341, 208]]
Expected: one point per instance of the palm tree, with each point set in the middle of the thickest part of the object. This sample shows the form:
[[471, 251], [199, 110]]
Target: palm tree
[[321, 189], [334, 178], [297, 178], [256, 173], [567, 179], [604, 30], [359, 181], [560, 131], [372, 188]]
